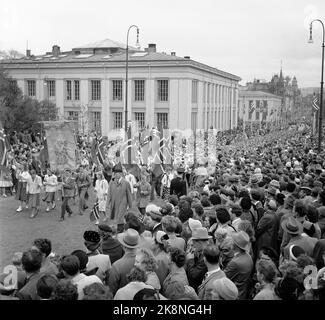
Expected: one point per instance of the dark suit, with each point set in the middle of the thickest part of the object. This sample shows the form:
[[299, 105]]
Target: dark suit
[[178, 187], [196, 270], [28, 291], [239, 271]]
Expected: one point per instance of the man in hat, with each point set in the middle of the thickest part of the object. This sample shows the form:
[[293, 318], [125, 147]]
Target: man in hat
[[120, 198], [239, 269], [195, 265], [178, 184], [68, 191], [120, 268], [92, 242], [293, 228], [110, 245]]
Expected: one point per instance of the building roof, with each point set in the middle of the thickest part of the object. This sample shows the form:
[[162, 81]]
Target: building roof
[[257, 94], [115, 59], [106, 43]]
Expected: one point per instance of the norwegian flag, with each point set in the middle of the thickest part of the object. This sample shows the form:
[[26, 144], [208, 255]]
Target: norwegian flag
[[314, 103], [100, 150]]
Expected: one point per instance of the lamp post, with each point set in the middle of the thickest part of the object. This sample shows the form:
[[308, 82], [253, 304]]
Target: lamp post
[[127, 71], [320, 129]]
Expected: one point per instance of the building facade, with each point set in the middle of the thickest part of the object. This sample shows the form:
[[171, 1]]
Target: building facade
[[259, 107], [89, 83]]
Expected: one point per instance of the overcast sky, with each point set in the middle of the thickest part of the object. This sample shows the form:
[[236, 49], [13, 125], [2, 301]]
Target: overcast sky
[[247, 38]]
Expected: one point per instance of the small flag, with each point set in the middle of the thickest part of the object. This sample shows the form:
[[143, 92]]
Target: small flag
[[100, 150], [94, 213], [314, 103]]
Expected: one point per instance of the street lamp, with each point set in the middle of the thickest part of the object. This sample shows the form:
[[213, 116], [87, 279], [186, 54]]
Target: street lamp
[[127, 70], [321, 82]]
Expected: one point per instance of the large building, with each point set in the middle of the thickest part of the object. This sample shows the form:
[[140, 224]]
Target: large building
[[89, 82], [286, 88], [258, 106]]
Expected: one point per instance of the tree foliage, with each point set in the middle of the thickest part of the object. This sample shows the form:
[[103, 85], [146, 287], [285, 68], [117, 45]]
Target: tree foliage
[[18, 112]]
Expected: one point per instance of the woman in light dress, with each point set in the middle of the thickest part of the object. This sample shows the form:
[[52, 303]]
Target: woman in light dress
[[101, 190], [23, 177]]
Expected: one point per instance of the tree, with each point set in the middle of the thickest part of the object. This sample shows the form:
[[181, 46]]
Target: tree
[[18, 112]]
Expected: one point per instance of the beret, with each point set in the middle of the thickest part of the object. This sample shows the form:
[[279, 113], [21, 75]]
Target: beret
[[92, 236]]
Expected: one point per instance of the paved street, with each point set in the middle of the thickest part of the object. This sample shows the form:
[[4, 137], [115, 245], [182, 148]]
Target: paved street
[[17, 230]]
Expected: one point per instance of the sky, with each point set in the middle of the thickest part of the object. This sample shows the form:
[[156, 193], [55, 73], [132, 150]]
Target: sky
[[247, 38]]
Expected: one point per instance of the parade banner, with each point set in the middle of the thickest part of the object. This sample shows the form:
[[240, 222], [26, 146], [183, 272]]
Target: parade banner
[[61, 144]]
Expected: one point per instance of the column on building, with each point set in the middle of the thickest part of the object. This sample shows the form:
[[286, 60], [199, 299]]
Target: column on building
[[174, 112], [41, 93], [150, 101], [200, 114], [221, 107], [22, 86], [213, 100], [105, 112], [59, 97], [236, 107]]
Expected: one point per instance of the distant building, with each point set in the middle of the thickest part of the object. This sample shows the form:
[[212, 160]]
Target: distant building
[[258, 106], [89, 82], [285, 87]]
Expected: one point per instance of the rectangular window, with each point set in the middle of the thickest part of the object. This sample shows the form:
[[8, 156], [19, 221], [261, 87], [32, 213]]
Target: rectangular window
[[162, 120], [194, 91], [162, 90], [50, 85], [95, 90], [68, 91], [138, 90], [31, 88], [117, 90], [117, 120], [96, 122], [73, 115], [140, 119], [76, 89]]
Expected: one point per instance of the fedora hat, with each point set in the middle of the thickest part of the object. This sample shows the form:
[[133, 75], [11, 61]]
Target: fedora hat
[[291, 226], [241, 240], [130, 238], [200, 234]]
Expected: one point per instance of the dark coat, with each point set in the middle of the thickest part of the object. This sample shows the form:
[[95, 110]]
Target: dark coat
[[119, 270], [196, 270], [28, 291], [239, 271], [266, 234], [113, 248], [120, 200], [178, 187]]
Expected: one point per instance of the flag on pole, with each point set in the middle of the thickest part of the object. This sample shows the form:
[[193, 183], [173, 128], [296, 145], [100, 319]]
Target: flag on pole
[[100, 150], [315, 102], [94, 213]]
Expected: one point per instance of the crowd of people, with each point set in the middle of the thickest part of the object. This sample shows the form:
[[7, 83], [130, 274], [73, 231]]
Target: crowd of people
[[252, 227]]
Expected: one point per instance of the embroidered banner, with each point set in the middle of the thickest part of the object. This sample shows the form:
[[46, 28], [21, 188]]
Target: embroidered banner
[[61, 144]]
